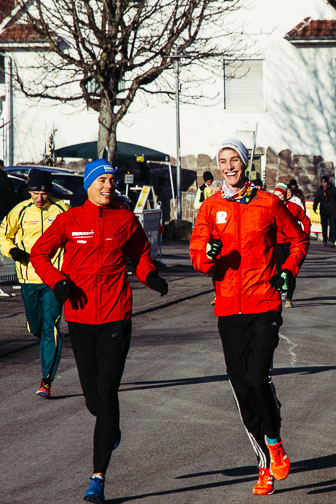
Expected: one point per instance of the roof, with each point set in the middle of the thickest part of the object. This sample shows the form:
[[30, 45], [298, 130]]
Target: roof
[[20, 33], [310, 30], [14, 32], [125, 150], [6, 8]]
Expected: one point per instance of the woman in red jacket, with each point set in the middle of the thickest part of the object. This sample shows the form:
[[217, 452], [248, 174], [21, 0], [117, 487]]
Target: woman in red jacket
[[283, 245], [235, 233], [98, 237]]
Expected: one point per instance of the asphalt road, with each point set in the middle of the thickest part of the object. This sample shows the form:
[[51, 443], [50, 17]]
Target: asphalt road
[[182, 440]]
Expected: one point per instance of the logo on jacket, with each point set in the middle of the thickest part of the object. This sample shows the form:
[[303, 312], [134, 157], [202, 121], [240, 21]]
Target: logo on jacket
[[221, 217], [82, 234]]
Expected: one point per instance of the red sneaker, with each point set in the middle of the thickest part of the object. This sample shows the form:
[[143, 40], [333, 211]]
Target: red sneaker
[[279, 461], [44, 390], [265, 483]]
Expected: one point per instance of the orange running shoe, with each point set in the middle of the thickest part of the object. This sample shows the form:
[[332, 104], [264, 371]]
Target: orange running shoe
[[279, 461], [265, 483]]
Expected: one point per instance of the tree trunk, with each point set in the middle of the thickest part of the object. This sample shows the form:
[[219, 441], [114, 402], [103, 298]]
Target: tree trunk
[[107, 133]]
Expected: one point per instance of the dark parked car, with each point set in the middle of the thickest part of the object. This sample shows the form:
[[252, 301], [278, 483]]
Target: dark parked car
[[22, 193], [68, 179]]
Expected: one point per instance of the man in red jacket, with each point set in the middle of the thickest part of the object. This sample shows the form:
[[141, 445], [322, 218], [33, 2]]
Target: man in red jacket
[[98, 237], [283, 245], [235, 233]]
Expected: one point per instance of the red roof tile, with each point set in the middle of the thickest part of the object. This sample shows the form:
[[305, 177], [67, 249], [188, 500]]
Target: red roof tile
[[309, 29], [20, 33], [6, 8]]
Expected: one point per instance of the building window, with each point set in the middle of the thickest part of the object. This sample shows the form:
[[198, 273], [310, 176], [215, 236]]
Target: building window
[[2, 69], [243, 85]]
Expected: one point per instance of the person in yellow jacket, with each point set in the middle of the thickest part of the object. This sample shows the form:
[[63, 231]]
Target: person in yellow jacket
[[19, 231], [204, 191]]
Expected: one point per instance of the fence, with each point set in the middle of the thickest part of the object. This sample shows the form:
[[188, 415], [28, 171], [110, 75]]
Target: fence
[[7, 270], [188, 211]]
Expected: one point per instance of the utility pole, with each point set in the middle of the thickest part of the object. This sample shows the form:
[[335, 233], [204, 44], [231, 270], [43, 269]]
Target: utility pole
[[178, 137]]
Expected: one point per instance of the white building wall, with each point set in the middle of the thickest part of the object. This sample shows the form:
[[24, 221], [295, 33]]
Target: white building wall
[[299, 100]]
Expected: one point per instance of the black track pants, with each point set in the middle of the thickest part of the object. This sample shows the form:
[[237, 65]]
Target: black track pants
[[328, 221], [249, 342], [100, 352]]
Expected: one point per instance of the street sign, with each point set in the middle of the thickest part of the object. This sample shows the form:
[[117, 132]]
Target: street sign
[[129, 178]]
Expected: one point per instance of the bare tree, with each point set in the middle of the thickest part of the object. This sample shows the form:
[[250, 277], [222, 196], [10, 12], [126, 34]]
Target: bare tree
[[109, 50]]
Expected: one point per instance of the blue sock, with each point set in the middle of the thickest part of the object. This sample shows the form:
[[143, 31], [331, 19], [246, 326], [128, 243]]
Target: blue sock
[[272, 441]]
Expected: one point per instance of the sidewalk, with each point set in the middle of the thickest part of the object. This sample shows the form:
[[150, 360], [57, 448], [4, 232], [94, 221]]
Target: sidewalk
[[174, 265]]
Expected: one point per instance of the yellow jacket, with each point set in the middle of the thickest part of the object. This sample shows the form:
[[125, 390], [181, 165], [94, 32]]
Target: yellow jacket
[[22, 227], [204, 191]]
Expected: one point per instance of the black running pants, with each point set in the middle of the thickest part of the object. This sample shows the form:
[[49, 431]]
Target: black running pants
[[100, 352], [249, 342]]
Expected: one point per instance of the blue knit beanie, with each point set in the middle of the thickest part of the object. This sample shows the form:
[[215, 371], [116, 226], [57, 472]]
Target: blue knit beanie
[[237, 145], [96, 168]]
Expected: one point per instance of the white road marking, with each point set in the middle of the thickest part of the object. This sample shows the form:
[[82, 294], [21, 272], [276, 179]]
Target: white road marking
[[290, 349]]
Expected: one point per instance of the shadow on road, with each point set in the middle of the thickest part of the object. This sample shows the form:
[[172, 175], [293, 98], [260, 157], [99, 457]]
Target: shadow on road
[[242, 475], [152, 384], [56, 397]]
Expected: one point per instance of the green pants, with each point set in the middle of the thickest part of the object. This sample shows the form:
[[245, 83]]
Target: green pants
[[43, 314]]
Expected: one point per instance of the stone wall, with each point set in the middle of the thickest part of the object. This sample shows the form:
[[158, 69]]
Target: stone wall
[[281, 167], [306, 170]]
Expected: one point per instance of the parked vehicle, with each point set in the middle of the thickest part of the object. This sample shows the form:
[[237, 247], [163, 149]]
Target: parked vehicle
[[64, 177], [22, 193]]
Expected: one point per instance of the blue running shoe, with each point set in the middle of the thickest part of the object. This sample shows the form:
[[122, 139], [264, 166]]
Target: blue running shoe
[[95, 492]]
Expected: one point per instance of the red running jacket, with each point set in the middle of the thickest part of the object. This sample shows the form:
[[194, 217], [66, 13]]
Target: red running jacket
[[247, 262], [97, 242], [300, 216]]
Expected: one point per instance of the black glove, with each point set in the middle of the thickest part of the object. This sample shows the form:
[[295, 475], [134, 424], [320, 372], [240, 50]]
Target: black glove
[[157, 283], [19, 254], [283, 281], [213, 248], [62, 290]]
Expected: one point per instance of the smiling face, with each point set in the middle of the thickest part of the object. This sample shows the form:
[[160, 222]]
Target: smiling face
[[101, 191], [232, 168]]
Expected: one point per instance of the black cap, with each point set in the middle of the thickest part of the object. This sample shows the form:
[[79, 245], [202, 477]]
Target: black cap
[[39, 180], [325, 179], [207, 175], [293, 182]]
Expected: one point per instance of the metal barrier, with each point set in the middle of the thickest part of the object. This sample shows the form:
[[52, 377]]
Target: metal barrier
[[188, 211], [151, 222], [7, 270]]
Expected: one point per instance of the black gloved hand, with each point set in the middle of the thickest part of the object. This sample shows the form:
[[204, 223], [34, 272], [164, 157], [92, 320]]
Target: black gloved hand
[[157, 283], [62, 290], [19, 254], [213, 248], [283, 281]]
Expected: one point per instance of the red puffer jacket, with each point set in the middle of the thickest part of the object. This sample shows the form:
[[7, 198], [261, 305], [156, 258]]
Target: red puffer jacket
[[300, 216], [247, 261], [97, 242]]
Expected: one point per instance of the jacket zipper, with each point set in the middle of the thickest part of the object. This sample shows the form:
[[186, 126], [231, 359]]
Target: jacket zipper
[[100, 237], [240, 252]]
